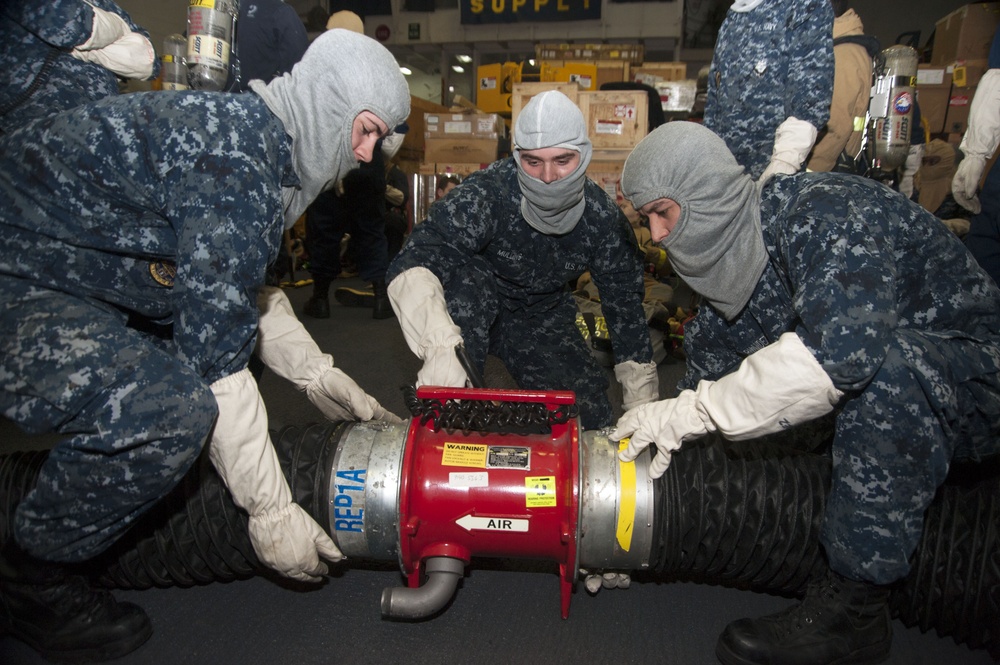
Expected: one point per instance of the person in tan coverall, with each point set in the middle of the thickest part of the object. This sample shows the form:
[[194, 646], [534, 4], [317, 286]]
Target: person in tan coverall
[[852, 82]]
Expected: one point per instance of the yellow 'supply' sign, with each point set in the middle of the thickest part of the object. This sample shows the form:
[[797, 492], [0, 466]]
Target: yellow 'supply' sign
[[508, 11]]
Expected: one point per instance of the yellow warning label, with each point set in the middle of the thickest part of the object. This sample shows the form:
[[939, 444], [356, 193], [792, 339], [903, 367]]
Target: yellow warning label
[[626, 501], [464, 454], [540, 491]]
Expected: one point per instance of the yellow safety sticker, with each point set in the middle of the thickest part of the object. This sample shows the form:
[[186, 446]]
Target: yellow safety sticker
[[626, 507], [540, 491], [464, 454]]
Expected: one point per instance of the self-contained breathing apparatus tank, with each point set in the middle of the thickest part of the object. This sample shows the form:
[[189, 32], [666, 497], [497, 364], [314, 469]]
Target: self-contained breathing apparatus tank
[[211, 34], [173, 63], [891, 108]]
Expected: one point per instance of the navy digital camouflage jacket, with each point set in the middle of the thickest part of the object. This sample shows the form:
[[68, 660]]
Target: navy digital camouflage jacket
[[852, 263], [164, 205], [483, 217], [770, 63]]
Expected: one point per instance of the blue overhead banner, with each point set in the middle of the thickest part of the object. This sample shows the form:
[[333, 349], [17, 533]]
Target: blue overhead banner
[[522, 11]]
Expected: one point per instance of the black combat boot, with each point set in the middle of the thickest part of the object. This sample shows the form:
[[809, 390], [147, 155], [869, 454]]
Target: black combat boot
[[60, 616], [318, 306], [383, 308], [839, 621]]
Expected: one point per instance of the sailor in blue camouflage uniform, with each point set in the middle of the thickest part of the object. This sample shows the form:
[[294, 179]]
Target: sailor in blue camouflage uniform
[[490, 265], [827, 294], [57, 54], [137, 231], [771, 82]]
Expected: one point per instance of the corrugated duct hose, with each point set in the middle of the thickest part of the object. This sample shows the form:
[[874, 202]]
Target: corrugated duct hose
[[735, 515]]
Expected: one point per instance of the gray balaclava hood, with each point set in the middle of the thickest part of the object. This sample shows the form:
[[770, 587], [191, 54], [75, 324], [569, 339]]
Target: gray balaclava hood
[[340, 75], [551, 120], [717, 246]]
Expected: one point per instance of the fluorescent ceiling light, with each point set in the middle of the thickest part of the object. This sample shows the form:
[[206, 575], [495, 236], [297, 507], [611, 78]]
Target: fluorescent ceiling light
[[406, 71], [458, 68], [465, 59]]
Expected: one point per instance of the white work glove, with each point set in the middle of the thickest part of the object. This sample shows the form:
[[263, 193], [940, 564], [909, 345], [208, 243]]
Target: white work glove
[[914, 158], [288, 350], [793, 139], [640, 383], [106, 28], [980, 141], [283, 535], [114, 46], [965, 184], [777, 387], [130, 57], [418, 300]]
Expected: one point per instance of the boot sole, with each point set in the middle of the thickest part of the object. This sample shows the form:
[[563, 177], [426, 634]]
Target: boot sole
[[93, 654], [870, 655]]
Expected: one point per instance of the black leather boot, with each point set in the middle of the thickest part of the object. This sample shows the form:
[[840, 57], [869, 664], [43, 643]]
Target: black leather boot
[[383, 308], [61, 616], [318, 306], [838, 621]]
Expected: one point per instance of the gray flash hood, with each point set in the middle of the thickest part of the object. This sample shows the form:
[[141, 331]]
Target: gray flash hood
[[341, 74]]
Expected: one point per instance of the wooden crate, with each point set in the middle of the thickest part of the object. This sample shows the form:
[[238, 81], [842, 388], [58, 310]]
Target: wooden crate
[[523, 92], [631, 53], [616, 119], [608, 71]]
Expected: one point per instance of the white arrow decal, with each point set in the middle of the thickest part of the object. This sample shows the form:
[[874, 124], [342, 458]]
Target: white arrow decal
[[469, 522]]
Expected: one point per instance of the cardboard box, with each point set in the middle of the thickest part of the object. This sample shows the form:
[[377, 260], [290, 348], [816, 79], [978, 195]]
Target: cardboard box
[[413, 141], [957, 119], [652, 73], [616, 119], [966, 33], [677, 96], [460, 150], [966, 73], [523, 92], [461, 126], [933, 91]]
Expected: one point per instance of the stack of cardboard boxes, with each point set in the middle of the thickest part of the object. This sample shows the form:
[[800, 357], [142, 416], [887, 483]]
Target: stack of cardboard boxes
[[946, 86]]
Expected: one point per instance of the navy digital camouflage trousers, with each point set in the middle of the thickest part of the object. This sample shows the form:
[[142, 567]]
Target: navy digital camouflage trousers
[[541, 347], [134, 418], [894, 444]]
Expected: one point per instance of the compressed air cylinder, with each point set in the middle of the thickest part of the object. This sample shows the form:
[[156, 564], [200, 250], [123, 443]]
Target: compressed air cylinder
[[892, 132], [211, 27], [173, 68]]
